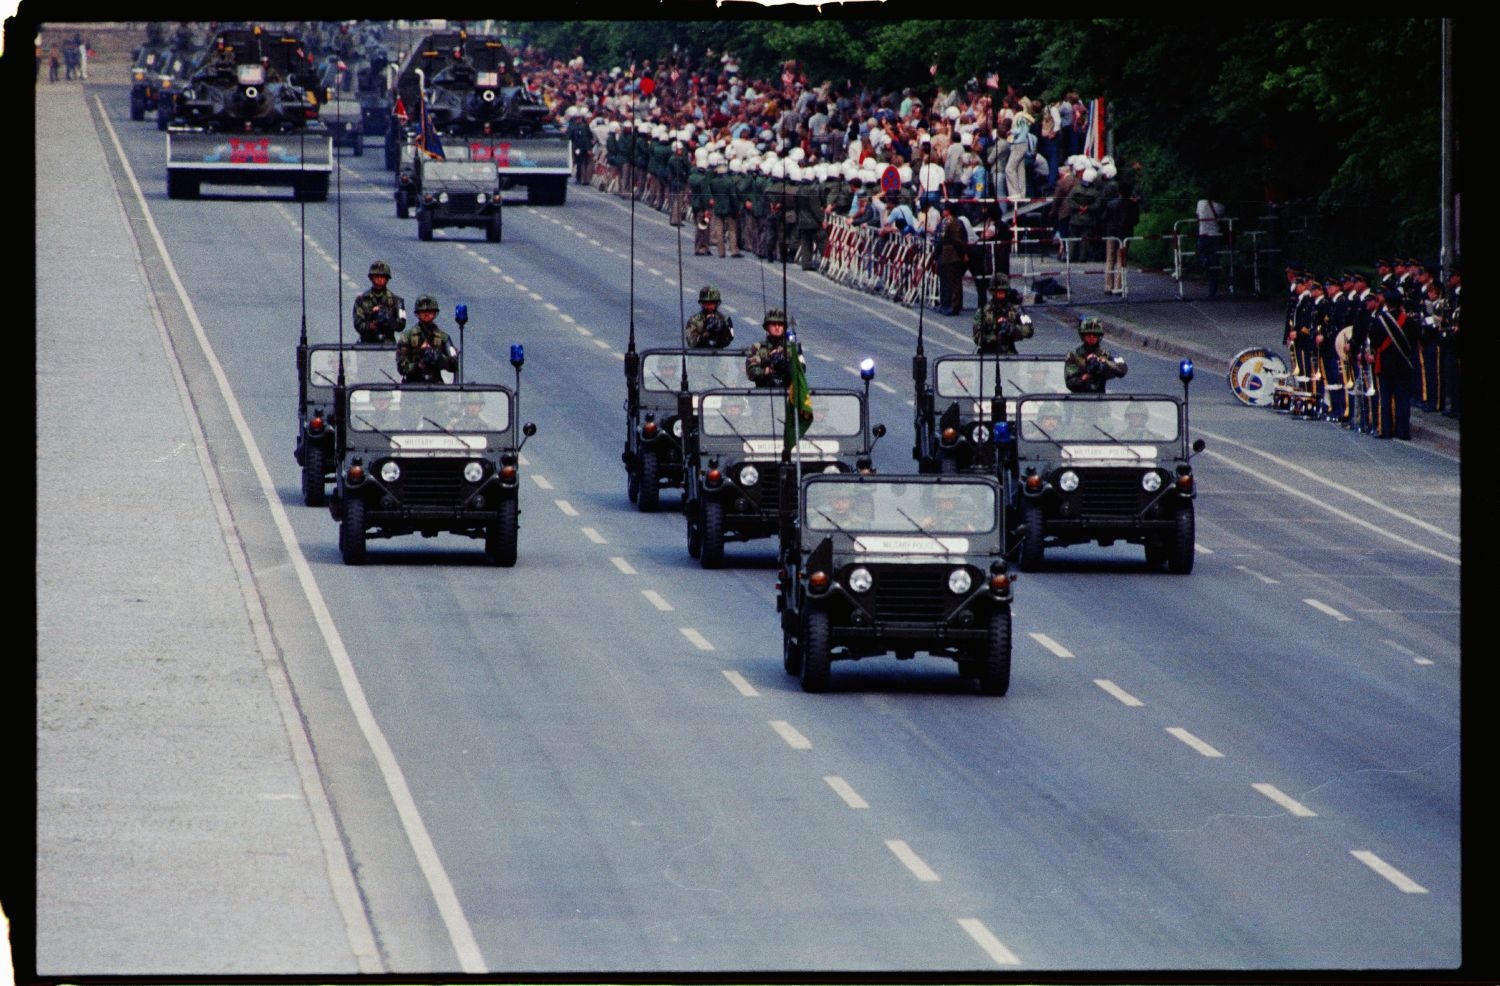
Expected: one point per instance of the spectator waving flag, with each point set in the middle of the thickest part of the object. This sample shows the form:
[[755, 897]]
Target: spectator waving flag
[[427, 141], [799, 407]]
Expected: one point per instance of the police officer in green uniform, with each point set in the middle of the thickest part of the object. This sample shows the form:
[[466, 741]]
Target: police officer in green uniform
[[1000, 323], [424, 350], [379, 315], [707, 328], [1089, 367]]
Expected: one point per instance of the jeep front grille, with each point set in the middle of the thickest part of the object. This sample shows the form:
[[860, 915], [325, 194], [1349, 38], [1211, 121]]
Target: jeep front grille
[[1111, 492], [910, 593], [432, 482]]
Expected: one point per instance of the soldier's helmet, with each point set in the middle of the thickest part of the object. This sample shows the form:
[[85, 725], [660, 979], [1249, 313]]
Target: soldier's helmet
[[774, 315], [380, 267], [709, 293], [1091, 326], [1000, 283], [427, 303]]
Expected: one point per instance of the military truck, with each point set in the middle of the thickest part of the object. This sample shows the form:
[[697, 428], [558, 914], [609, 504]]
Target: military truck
[[248, 116], [656, 413], [317, 375], [428, 459], [479, 107], [1105, 468], [146, 70], [881, 564], [955, 411], [734, 460], [458, 193]]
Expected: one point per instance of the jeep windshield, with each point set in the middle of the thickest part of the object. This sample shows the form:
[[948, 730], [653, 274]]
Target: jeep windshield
[[1112, 421], [368, 366], [477, 176], [706, 370], [387, 410], [973, 377], [763, 414], [894, 507]]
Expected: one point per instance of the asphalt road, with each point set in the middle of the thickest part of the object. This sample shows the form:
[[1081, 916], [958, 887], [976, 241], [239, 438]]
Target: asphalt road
[[594, 762]]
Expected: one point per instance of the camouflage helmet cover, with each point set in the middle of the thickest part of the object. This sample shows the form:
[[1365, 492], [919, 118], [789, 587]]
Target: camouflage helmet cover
[[709, 293], [1091, 326], [1000, 283], [774, 315], [380, 267], [427, 303]]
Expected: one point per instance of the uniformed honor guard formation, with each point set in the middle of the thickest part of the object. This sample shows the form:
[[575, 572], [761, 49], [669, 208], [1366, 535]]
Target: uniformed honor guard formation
[[1366, 350]]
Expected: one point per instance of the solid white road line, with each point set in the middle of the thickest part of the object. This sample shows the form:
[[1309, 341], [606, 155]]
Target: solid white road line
[[741, 685], [1051, 645], [1193, 741], [991, 945], [1286, 801], [842, 789], [1403, 882], [1328, 610], [656, 600], [911, 861], [699, 641], [1118, 692], [793, 738]]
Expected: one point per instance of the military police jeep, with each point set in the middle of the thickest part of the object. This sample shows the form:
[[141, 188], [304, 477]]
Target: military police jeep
[[1106, 468], [426, 459], [903, 564], [457, 193], [954, 419], [654, 413], [734, 458], [318, 374]]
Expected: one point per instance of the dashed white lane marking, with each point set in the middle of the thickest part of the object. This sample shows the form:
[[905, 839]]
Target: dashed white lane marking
[[582, 331], [1193, 741], [699, 641], [911, 861], [1202, 550], [793, 738], [594, 536], [991, 945], [550, 306], [522, 460], [654, 271], [1286, 801], [1403, 882], [1416, 658], [741, 685], [494, 269], [842, 789], [823, 356], [567, 318], [1328, 610], [601, 343], [885, 386], [566, 507], [1051, 645], [623, 566], [594, 242], [521, 287], [534, 296], [1118, 692], [507, 279], [1264, 578], [655, 599], [540, 480]]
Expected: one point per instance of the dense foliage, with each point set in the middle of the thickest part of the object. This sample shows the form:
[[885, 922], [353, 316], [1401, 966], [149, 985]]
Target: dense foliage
[[1335, 120]]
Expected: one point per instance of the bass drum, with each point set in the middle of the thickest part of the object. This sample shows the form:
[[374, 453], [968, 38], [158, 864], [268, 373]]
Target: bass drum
[[1254, 374]]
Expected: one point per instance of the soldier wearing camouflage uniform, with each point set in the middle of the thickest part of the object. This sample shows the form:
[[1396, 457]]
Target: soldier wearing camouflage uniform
[[424, 350], [766, 362], [379, 315], [1090, 367], [1000, 323], [707, 328]]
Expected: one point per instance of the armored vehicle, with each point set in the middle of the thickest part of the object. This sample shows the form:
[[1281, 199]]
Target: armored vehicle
[[338, 110], [1106, 468], [176, 70], [145, 72], [734, 460], [426, 459], [458, 193], [955, 408], [318, 374], [475, 100], [656, 411], [248, 115], [874, 565]]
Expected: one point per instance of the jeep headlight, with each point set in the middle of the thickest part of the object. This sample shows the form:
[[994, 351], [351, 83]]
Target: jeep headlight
[[860, 580], [390, 472], [442, 196], [1068, 481], [473, 472], [1151, 482], [749, 476], [677, 428], [959, 581], [482, 198]]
